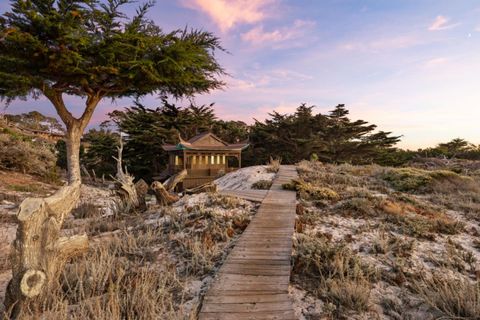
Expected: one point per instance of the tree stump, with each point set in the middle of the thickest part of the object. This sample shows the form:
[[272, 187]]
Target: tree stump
[[39, 252], [142, 189]]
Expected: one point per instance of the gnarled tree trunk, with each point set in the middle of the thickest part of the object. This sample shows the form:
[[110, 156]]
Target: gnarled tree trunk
[[38, 252]]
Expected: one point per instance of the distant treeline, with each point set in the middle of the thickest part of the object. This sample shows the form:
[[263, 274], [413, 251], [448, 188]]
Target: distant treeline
[[331, 137]]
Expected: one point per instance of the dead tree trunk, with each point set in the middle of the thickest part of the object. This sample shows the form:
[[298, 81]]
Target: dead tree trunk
[[125, 187], [38, 252], [164, 192]]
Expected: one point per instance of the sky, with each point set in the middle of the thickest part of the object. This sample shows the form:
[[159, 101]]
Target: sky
[[409, 66]]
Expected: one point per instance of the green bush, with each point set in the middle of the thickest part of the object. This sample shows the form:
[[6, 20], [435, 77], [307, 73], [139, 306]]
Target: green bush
[[443, 181]]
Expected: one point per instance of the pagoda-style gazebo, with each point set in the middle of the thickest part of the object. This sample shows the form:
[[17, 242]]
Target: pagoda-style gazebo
[[205, 157]]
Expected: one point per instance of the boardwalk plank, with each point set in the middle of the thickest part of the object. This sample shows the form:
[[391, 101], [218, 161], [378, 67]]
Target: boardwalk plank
[[253, 281]]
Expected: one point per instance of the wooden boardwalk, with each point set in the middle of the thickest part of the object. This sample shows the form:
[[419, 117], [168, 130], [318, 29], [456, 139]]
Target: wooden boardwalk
[[253, 281]]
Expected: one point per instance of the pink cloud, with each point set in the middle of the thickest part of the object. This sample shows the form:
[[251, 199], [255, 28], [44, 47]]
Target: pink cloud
[[259, 36], [387, 43], [441, 23], [228, 13], [435, 62]]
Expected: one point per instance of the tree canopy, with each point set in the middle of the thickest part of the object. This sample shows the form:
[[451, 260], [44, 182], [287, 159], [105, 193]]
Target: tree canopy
[[332, 137], [93, 50], [86, 47]]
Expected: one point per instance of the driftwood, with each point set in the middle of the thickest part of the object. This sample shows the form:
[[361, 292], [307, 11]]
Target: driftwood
[[207, 187], [172, 182], [164, 192], [125, 188], [39, 252], [164, 198]]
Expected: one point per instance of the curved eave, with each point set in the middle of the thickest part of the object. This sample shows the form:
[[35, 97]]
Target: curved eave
[[180, 147]]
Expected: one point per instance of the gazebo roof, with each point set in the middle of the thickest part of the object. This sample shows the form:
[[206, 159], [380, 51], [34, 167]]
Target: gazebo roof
[[205, 141]]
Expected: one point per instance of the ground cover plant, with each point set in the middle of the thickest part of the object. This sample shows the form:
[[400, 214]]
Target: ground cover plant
[[154, 265], [393, 243]]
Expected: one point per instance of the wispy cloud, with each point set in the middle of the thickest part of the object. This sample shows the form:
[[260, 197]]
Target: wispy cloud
[[259, 36], [382, 44], [228, 13], [435, 62], [442, 23]]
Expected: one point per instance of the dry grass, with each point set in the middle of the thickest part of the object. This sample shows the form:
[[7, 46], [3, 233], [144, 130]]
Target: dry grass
[[399, 219], [144, 270], [388, 243], [87, 210], [455, 298], [332, 272], [457, 258], [114, 281], [274, 165], [200, 235]]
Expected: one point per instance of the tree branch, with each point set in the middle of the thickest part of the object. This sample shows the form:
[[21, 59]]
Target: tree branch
[[91, 104], [56, 99]]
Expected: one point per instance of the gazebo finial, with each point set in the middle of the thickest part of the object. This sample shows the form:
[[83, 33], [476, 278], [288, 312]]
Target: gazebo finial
[[180, 138]]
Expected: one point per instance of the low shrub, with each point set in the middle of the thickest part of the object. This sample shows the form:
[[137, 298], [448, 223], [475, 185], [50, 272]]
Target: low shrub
[[26, 156], [419, 180], [309, 191], [416, 221], [332, 272], [262, 184]]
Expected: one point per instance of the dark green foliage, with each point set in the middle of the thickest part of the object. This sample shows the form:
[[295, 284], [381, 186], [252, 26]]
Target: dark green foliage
[[148, 129], [456, 148], [61, 152], [102, 147], [85, 47], [332, 137], [143, 151]]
